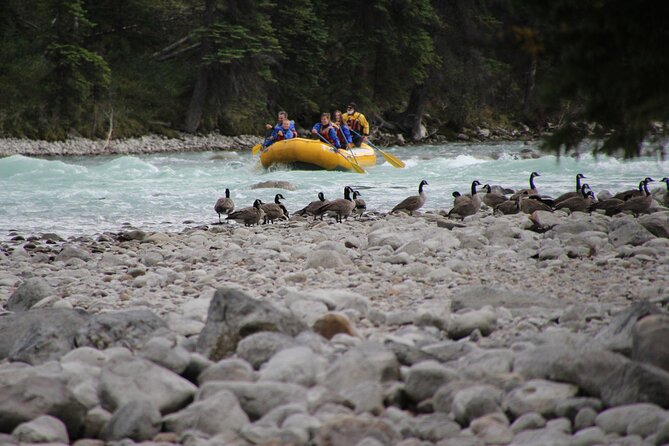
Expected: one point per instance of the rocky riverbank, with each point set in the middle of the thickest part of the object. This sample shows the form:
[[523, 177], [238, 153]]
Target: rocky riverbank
[[393, 330], [130, 146]]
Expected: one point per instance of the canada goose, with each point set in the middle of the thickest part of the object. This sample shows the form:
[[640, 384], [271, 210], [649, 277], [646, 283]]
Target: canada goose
[[464, 209], [475, 197], [340, 208], [509, 207], [532, 190], [607, 206], [529, 204], [224, 205], [492, 199], [360, 205], [638, 205], [274, 211], [578, 193], [311, 208], [579, 204], [631, 193], [459, 198], [249, 216], [414, 202], [665, 201]]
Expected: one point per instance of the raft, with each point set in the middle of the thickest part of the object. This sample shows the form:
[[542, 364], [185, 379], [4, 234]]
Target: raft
[[312, 154]]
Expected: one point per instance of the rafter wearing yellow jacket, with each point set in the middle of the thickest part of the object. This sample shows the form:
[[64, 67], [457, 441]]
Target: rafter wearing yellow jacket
[[357, 122]]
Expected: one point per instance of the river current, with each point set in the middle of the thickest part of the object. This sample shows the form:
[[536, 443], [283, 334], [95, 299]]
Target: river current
[[89, 195]]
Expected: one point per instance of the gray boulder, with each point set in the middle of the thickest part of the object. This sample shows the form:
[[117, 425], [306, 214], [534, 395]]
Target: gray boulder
[[166, 353], [425, 378], [231, 369], [611, 377], [640, 419], [538, 396], [43, 429], [31, 397], [123, 380], [649, 341], [29, 293], [72, 252], [211, 416], [367, 361], [234, 315], [40, 335], [298, 365], [138, 420], [258, 348], [462, 325], [628, 232], [656, 223], [130, 329], [256, 399], [479, 296], [474, 402], [348, 430]]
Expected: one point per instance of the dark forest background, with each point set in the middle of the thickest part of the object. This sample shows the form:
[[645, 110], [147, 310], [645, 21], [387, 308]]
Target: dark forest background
[[577, 68]]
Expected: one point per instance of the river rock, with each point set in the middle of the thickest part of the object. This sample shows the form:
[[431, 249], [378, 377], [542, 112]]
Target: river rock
[[628, 232], [538, 396], [327, 259], [462, 325], [231, 369], [331, 324], [527, 421], [347, 431], [138, 420], [40, 335], [256, 399], [234, 315], [126, 379], [656, 223], [166, 353], [480, 296], [618, 335], [43, 429], [298, 365], [613, 378], [474, 402], [641, 419], [260, 347], [425, 378], [131, 328], [274, 184], [492, 428], [29, 293], [433, 427], [30, 397], [96, 419], [649, 340], [366, 362], [542, 437], [211, 416], [72, 252]]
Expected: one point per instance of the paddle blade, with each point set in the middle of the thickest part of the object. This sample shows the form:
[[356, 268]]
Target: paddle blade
[[394, 161], [255, 149], [357, 168]]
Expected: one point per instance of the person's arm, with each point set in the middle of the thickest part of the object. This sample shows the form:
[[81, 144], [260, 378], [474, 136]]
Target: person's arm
[[316, 128], [365, 125], [289, 134], [333, 136], [347, 134]]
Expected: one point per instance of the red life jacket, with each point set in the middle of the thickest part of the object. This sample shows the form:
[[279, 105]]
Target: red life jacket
[[280, 137], [340, 134], [325, 132]]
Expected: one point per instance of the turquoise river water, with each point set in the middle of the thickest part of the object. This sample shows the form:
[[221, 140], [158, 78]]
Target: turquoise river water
[[89, 195]]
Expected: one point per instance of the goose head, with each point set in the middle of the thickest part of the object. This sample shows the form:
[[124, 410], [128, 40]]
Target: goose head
[[321, 196], [474, 184], [580, 176], [277, 198], [487, 188], [534, 174], [347, 192], [356, 194], [585, 187], [420, 186], [227, 193], [665, 180], [257, 203], [456, 194]]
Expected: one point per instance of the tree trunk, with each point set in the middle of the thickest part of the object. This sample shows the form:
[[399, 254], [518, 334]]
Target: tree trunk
[[415, 111], [200, 92]]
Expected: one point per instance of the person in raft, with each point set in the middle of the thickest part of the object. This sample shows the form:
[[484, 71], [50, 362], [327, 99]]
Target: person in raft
[[357, 122], [283, 132], [343, 132], [270, 129], [326, 130]]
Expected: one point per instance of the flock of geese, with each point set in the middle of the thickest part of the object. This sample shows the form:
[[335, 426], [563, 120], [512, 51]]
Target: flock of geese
[[501, 200]]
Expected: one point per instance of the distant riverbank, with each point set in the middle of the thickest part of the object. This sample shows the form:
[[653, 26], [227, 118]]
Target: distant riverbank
[[128, 146]]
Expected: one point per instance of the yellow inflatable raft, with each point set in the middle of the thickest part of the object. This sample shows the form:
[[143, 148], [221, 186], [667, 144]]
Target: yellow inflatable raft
[[310, 154]]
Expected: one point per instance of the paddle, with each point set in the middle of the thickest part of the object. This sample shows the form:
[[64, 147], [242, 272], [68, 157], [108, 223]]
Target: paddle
[[394, 161], [354, 165], [255, 149]]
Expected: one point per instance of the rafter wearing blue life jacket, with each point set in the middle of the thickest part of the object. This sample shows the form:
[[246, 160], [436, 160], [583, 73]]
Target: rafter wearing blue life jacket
[[327, 130]]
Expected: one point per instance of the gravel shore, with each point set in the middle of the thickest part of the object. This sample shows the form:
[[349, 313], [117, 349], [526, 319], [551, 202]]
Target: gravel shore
[[129, 146], [388, 330]]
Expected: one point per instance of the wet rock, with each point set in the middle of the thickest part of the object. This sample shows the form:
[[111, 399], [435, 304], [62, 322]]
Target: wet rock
[[649, 340], [234, 315], [126, 379], [131, 328], [29, 293], [40, 335], [43, 429], [212, 416], [137, 420]]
